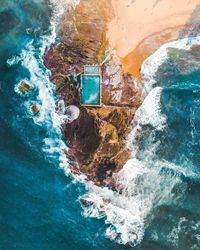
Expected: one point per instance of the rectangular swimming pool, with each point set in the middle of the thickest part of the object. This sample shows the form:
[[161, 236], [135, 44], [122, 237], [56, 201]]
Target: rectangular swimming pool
[[91, 90], [91, 70]]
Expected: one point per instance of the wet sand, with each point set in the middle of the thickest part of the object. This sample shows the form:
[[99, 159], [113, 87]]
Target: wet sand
[[142, 26]]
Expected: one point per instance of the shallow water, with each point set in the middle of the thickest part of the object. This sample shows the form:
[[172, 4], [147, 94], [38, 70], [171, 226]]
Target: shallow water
[[39, 204]]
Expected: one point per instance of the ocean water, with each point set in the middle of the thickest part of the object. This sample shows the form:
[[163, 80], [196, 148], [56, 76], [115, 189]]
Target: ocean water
[[40, 202], [39, 206]]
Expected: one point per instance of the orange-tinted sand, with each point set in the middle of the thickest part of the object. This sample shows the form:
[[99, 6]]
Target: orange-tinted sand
[[142, 26]]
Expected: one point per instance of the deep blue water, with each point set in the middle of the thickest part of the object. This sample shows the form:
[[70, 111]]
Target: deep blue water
[[39, 207]]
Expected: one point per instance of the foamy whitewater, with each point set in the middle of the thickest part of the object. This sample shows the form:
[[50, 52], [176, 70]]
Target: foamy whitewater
[[32, 58], [144, 184], [151, 64]]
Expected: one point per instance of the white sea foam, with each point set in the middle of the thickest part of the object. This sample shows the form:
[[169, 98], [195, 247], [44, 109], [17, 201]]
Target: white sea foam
[[141, 185], [142, 188], [152, 63], [185, 228], [14, 60], [31, 58], [150, 111]]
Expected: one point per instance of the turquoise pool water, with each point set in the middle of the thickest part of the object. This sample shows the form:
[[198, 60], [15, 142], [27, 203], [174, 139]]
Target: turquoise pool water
[[90, 93], [39, 204]]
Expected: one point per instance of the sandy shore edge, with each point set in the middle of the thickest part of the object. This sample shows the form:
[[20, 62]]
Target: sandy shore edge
[[140, 27]]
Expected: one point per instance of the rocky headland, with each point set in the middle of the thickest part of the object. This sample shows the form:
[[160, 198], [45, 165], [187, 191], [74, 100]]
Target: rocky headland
[[89, 34], [97, 139]]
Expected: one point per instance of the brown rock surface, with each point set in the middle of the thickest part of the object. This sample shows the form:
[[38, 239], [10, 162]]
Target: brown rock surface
[[97, 139], [25, 87], [35, 109]]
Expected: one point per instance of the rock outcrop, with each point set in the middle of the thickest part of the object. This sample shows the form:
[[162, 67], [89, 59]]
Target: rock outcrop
[[25, 87]]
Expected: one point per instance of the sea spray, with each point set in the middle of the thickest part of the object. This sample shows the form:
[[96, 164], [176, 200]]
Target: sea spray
[[142, 185], [151, 65], [31, 58], [142, 188]]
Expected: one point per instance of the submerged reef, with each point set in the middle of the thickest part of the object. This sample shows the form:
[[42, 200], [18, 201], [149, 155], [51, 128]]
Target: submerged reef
[[97, 138]]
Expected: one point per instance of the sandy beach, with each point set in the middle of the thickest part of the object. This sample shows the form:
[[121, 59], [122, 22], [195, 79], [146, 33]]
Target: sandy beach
[[140, 27]]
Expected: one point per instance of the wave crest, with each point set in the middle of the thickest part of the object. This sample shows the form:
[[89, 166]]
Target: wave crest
[[142, 185]]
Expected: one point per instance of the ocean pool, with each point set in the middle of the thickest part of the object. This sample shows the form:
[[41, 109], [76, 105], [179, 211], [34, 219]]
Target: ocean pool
[[91, 70], [90, 89]]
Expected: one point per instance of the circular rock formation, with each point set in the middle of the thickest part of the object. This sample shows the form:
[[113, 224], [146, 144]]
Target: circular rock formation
[[72, 112]]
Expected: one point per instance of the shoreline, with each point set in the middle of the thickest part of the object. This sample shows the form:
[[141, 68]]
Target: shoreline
[[86, 35], [105, 192], [134, 39], [97, 139]]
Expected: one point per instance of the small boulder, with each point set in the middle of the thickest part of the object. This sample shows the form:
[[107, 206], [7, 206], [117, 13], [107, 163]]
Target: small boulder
[[25, 86], [35, 109]]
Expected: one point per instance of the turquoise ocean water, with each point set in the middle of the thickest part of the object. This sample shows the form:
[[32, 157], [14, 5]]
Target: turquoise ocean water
[[39, 203]]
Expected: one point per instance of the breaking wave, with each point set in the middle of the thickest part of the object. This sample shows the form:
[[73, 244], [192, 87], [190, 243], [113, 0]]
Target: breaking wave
[[143, 184], [142, 187], [31, 58], [152, 64]]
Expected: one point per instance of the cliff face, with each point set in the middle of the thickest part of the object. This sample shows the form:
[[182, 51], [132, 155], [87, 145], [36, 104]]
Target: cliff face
[[97, 139]]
